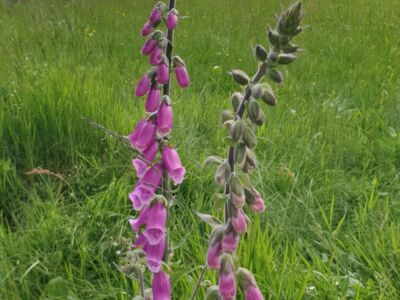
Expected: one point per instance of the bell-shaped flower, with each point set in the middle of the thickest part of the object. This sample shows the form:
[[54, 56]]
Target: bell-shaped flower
[[164, 117], [162, 72], [161, 286], [146, 29], [157, 218], [143, 135], [154, 255], [172, 19], [141, 220], [182, 76], [153, 99], [156, 55], [149, 154], [173, 164], [143, 86]]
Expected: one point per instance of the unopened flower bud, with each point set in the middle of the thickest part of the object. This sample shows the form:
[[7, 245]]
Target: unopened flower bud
[[240, 153], [235, 100], [143, 86], [215, 248], [248, 285], [163, 71], [172, 19], [236, 191], [213, 293], [182, 76], [254, 110], [268, 96], [153, 99], [249, 138], [227, 115], [240, 77], [257, 91], [222, 174], [261, 119], [273, 38], [290, 48], [273, 56], [275, 75], [164, 117], [285, 59], [251, 161], [239, 222], [156, 55], [146, 29], [260, 53], [230, 240], [227, 286], [237, 131]]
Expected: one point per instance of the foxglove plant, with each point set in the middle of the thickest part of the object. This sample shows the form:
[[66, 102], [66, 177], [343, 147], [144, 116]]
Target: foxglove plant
[[157, 161], [233, 173]]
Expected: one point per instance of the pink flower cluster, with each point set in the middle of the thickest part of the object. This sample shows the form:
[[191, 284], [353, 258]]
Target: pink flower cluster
[[156, 158]]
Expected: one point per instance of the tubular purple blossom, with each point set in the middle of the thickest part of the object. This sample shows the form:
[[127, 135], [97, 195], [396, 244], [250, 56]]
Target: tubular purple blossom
[[164, 118], [172, 20], [156, 56], [143, 86], [141, 220], [230, 241], [149, 46], [155, 15], [239, 221], [162, 73], [161, 286], [253, 293], [227, 285], [154, 255], [153, 99], [157, 218], [182, 76], [173, 164], [143, 136], [146, 29]]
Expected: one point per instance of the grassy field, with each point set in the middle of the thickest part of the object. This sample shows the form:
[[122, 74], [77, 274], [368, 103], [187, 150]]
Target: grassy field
[[329, 153]]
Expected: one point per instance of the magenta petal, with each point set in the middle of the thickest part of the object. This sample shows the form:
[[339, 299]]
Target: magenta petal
[[155, 230], [213, 256], [156, 56], [151, 151], [230, 242], [149, 46], [135, 134], [162, 73], [155, 15], [154, 255], [182, 76], [227, 287], [253, 293], [140, 167], [143, 86], [141, 220], [239, 221], [144, 136], [173, 164], [153, 100], [161, 286], [164, 119], [172, 20], [146, 29], [140, 241]]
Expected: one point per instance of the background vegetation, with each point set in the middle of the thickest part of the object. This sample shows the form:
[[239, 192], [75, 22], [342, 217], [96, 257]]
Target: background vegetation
[[329, 153]]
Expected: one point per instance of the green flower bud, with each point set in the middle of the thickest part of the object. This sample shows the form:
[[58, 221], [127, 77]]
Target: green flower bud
[[251, 161], [240, 77], [261, 119], [275, 75], [245, 278], [256, 91], [260, 53], [236, 191], [240, 153], [290, 48], [237, 131], [254, 111], [273, 38], [213, 293], [235, 100], [268, 96], [227, 115], [222, 174], [249, 138], [273, 56], [285, 59]]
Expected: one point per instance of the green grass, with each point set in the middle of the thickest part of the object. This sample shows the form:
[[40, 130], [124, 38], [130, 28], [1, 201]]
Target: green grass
[[329, 153]]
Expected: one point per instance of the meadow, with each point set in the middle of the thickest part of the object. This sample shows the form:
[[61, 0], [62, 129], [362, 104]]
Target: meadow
[[329, 153]]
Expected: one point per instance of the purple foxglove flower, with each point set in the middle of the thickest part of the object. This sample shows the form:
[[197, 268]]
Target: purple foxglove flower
[[182, 76], [143, 135], [157, 218], [238, 200], [239, 221], [258, 205], [214, 255], [173, 164], [162, 73], [140, 241], [253, 293], [143, 86], [153, 99], [230, 241], [154, 255], [146, 187], [156, 56], [141, 220], [164, 118], [155, 15], [149, 46], [172, 20], [149, 154], [161, 286], [146, 29], [227, 287]]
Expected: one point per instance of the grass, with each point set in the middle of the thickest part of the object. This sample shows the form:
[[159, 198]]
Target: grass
[[329, 153]]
